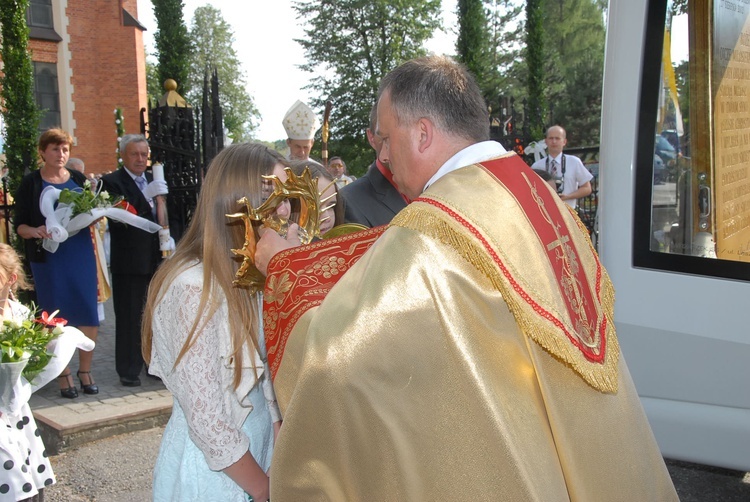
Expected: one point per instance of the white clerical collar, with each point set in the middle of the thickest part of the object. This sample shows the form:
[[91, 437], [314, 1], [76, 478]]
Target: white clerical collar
[[473, 154]]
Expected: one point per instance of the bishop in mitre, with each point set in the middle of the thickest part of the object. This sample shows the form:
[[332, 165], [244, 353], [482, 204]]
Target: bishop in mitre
[[300, 124]]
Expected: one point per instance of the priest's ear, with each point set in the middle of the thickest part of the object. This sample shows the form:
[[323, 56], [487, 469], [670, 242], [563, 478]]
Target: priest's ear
[[426, 133]]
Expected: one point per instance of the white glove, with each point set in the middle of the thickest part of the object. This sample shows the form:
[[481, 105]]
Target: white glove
[[156, 187]]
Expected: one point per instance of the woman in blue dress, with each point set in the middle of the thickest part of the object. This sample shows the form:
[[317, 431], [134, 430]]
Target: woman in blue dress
[[202, 335], [66, 279]]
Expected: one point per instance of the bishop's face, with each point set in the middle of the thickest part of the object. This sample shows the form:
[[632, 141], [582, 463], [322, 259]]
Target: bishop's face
[[299, 149], [400, 149]]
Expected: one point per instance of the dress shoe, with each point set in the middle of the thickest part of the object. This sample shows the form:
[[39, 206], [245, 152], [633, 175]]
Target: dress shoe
[[127, 382], [91, 388], [70, 391]]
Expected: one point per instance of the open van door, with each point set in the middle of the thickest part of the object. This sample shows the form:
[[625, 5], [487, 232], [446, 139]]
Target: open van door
[[674, 233]]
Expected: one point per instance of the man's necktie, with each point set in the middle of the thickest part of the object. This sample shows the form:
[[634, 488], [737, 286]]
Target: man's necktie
[[141, 182], [553, 167]]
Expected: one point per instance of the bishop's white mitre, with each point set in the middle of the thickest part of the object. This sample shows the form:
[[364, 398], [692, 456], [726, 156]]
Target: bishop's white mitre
[[300, 122]]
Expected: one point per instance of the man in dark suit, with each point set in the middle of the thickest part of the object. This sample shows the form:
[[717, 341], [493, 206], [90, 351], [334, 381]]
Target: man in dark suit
[[373, 199], [134, 254]]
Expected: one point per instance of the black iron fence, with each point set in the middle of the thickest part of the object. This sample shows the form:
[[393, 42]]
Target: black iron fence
[[588, 206]]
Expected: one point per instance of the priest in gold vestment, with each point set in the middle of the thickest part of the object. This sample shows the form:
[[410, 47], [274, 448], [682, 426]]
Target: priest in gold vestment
[[466, 352]]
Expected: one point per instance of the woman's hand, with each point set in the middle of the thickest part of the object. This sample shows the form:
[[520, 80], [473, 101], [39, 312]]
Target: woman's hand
[[27, 232], [271, 243], [247, 473], [276, 429]]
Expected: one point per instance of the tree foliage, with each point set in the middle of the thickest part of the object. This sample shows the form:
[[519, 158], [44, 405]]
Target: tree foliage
[[173, 46], [17, 104], [473, 45], [349, 46], [575, 66], [154, 88], [213, 41], [535, 64]]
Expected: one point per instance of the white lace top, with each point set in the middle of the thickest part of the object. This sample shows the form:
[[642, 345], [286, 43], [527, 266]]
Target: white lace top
[[202, 382]]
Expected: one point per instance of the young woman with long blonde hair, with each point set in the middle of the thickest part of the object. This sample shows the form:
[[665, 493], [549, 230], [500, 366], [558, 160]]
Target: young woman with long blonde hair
[[203, 337]]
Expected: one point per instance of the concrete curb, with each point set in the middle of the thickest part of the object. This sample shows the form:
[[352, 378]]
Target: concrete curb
[[67, 423]]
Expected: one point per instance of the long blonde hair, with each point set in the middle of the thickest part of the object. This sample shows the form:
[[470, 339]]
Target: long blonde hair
[[234, 173], [10, 264]]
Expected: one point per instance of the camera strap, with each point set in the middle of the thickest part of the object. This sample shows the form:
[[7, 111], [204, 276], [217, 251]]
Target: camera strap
[[562, 165]]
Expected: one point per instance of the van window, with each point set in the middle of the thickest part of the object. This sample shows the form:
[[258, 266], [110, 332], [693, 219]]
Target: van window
[[693, 170]]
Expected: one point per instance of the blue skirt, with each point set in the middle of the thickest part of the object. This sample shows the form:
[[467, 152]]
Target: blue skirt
[[66, 281]]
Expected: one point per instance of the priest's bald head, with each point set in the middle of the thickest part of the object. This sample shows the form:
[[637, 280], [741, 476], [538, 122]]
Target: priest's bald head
[[428, 109]]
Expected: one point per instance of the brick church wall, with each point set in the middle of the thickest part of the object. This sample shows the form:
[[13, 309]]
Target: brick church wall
[[108, 71]]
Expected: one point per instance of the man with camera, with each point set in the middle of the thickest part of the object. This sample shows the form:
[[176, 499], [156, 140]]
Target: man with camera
[[572, 179]]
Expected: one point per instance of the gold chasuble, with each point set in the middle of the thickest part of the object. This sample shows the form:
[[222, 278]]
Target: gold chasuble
[[466, 352]]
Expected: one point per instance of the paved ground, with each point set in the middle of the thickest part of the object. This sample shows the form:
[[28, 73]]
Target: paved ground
[[118, 469], [119, 466], [116, 409]]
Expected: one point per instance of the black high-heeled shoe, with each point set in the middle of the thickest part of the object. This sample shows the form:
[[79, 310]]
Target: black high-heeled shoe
[[70, 391], [91, 388]]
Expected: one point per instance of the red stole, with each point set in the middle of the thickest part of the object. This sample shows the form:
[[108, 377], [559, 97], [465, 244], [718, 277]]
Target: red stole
[[300, 278]]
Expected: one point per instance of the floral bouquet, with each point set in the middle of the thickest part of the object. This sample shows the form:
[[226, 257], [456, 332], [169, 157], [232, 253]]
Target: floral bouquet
[[78, 209], [27, 340], [87, 199], [33, 351]]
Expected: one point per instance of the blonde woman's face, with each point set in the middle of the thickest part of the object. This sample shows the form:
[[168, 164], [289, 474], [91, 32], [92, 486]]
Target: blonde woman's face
[[284, 209]]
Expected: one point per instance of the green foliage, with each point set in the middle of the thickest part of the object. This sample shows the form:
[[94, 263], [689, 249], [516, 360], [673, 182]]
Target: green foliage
[[173, 46], [579, 111], [489, 44], [85, 199], [349, 46], [535, 63], [473, 45], [682, 77], [120, 130], [28, 339], [154, 88], [213, 47], [17, 104], [506, 32], [575, 63], [679, 7]]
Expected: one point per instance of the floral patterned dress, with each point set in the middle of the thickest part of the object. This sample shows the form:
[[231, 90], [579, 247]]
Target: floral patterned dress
[[212, 424]]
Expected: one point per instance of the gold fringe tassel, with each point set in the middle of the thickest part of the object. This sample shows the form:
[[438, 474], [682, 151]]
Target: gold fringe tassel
[[437, 225]]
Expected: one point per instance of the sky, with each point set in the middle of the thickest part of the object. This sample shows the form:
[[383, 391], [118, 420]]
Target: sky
[[264, 33]]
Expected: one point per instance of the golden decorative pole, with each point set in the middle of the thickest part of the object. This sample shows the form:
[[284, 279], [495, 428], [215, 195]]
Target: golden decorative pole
[[324, 132]]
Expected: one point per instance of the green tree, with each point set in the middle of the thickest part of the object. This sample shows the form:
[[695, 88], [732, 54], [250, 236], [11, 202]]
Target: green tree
[[213, 41], [506, 32], [349, 46], [17, 105], [173, 46], [535, 65], [473, 45], [575, 66], [154, 88]]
